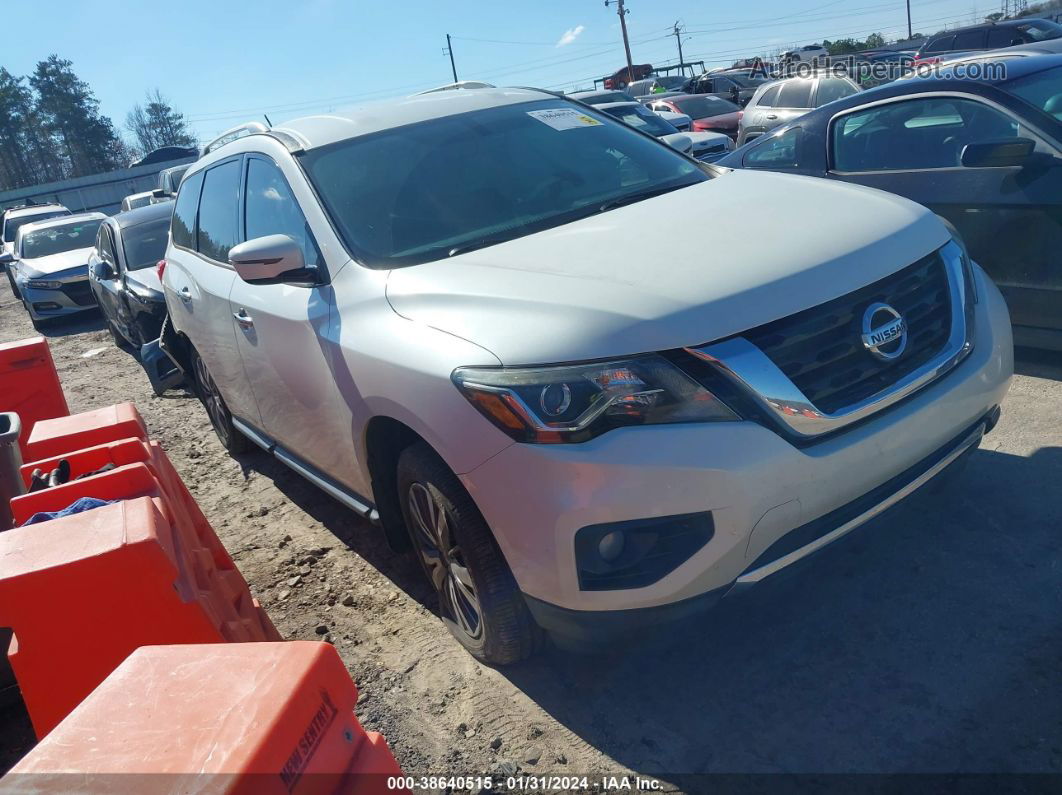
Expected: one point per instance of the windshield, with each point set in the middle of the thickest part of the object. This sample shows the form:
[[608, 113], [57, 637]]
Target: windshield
[[702, 106], [57, 239], [1042, 90], [429, 190], [170, 178], [11, 225], [641, 118], [671, 82], [747, 82], [1041, 30], [145, 244], [605, 98], [135, 202]]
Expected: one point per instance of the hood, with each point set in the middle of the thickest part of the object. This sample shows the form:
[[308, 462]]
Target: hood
[[752, 247], [56, 263], [145, 278], [722, 120]]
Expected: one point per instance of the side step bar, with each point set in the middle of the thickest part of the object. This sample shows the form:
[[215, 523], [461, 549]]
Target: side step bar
[[356, 503]]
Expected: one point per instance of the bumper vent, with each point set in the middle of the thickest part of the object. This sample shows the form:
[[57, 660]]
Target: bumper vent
[[821, 351]]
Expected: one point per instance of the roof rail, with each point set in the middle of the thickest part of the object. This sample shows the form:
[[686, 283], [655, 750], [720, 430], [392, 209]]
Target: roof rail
[[231, 134], [460, 84]]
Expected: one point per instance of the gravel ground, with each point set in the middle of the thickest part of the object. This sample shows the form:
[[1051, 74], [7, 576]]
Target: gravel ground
[[928, 641]]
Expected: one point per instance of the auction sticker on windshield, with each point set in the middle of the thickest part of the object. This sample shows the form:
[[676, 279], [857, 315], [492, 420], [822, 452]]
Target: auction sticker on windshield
[[564, 118]]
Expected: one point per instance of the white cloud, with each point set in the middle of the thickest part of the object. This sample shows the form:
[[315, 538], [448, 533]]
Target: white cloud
[[570, 35]]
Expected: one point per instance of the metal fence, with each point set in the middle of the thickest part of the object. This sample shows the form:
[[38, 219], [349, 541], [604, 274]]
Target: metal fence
[[100, 192]]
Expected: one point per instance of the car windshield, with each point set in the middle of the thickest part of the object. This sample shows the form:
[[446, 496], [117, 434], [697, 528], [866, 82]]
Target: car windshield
[[1043, 90], [57, 239], [641, 118], [138, 201], [701, 106], [169, 179], [11, 226], [747, 82], [605, 98], [671, 82], [145, 244], [426, 191], [1041, 30]]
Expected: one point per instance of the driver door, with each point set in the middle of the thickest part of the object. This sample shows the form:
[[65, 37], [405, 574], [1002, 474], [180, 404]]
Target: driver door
[[108, 291], [1009, 216]]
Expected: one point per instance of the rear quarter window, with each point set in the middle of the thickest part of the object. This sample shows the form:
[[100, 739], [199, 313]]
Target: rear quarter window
[[182, 230]]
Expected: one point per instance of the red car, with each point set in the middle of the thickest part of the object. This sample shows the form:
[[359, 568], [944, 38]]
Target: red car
[[709, 113]]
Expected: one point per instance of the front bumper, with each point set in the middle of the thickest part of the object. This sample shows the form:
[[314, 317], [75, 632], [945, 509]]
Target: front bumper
[[757, 486], [74, 294]]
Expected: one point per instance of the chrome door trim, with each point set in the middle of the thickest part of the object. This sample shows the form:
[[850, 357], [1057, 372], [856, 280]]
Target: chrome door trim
[[773, 391]]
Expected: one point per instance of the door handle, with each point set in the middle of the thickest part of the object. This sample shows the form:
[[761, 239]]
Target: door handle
[[245, 320], [185, 294], [772, 115]]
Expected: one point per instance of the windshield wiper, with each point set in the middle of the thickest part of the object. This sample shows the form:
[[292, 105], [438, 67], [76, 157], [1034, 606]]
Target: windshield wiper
[[639, 196], [483, 243]]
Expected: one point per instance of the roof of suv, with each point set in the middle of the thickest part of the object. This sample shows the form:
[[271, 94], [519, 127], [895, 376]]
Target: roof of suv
[[314, 131], [61, 220]]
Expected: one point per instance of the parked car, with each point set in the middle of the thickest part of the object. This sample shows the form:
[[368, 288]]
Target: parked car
[[988, 36], [709, 114], [706, 146], [987, 157], [50, 271], [122, 273], [680, 121], [776, 103], [170, 179], [166, 153], [812, 53], [737, 87], [621, 77], [600, 97], [1047, 47], [658, 85], [135, 200], [380, 299], [15, 217]]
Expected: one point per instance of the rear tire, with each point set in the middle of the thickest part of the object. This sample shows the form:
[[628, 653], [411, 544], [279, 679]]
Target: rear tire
[[479, 600], [220, 417]]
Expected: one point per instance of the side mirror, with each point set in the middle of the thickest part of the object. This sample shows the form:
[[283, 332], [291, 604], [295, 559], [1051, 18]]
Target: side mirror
[[102, 271], [273, 259], [7, 258], [998, 154]]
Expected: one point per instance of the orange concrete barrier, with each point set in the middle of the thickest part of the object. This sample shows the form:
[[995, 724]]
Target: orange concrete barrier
[[54, 437], [237, 718], [83, 591], [29, 384]]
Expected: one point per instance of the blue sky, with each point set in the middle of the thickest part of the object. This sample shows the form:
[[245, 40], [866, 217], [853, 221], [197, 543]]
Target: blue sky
[[224, 61]]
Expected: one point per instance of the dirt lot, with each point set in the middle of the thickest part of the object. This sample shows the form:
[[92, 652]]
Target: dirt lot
[[928, 641]]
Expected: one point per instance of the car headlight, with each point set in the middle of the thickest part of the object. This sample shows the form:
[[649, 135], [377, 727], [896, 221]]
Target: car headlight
[[573, 403], [43, 284]]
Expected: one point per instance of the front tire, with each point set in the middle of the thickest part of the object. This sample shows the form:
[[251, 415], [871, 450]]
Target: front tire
[[14, 287], [220, 417], [479, 600]]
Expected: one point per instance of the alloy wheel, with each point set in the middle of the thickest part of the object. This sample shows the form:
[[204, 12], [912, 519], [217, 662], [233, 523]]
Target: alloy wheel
[[212, 400], [444, 562]]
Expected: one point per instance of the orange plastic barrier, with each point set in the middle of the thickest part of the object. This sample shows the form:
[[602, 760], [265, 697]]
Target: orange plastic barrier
[[91, 459], [239, 718], [29, 384], [61, 435], [82, 592]]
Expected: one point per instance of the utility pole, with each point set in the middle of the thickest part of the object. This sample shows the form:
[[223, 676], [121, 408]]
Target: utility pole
[[626, 43], [909, 32], [678, 38], [450, 52]]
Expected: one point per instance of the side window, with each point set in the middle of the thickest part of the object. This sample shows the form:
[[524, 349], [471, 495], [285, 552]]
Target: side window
[[915, 134], [831, 88], [941, 44], [1002, 37], [969, 40], [182, 230], [776, 151], [105, 244], [768, 97], [271, 209], [795, 94], [218, 211]]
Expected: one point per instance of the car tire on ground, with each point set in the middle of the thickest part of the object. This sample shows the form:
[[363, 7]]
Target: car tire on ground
[[479, 600], [14, 287], [220, 417]]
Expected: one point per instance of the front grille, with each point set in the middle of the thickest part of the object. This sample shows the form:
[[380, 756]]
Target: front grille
[[79, 292], [821, 350]]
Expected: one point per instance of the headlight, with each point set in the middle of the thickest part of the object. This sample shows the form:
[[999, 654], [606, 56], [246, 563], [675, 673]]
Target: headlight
[[43, 284], [573, 403]]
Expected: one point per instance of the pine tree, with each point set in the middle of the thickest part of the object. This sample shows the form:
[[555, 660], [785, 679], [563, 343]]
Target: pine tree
[[157, 124], [69, 111], [27, 152]]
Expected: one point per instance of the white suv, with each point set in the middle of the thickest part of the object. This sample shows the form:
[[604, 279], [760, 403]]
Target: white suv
[[446, 312]]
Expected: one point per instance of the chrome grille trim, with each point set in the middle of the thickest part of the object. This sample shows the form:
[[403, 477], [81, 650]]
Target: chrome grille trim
[[754, 372]]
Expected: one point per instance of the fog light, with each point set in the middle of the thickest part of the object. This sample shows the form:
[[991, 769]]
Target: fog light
[[610, 547]]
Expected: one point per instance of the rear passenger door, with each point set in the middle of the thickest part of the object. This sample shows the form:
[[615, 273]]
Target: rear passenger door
[[205, 226]]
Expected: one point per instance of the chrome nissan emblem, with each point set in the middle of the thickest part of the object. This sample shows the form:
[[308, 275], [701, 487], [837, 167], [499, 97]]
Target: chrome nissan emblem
[[884, 332]]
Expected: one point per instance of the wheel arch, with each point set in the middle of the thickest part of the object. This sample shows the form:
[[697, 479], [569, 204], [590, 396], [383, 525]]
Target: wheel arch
[[385, 439]]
